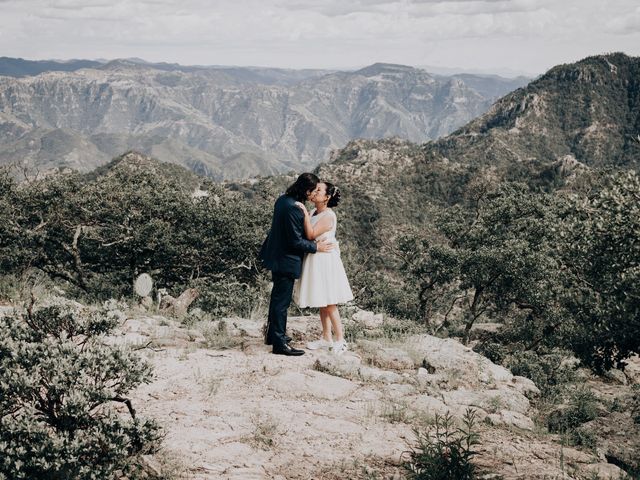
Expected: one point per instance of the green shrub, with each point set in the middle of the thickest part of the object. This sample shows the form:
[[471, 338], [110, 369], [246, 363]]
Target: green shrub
[[494, 351], [550, 372], [582, 407], [446, 452], [583, 437], [59, 388], [98, 233], [229, 296], [602, 252]]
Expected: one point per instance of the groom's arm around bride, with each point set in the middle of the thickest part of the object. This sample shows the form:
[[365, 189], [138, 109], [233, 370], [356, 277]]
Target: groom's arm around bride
[[282, 253]]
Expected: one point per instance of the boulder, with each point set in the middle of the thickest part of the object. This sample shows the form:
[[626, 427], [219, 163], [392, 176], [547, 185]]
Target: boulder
[[429, 405], [316, 384], [618, 438], [343, 365], [242, 327], [632, 370], [386, 357], [372, 374], [448, 355], [525, 385], [368, 320], [493, 401], [617, 376], [466, 379], [603, 471], [507, 417], [350, 366]]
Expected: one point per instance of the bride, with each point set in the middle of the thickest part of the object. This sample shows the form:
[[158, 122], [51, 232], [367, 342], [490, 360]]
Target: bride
[[323, 282]]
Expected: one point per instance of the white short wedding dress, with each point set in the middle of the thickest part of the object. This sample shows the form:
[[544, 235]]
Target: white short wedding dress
[[323, 281]]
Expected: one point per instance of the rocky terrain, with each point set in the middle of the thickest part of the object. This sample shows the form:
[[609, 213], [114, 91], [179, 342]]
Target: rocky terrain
[[225, 122], [232, 410]]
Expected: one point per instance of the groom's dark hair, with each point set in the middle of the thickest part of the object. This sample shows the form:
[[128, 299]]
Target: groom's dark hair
[[304, 183]]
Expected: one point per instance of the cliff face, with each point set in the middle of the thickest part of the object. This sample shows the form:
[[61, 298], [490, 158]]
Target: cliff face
[[576, 116], [225, 123], [589, 110]]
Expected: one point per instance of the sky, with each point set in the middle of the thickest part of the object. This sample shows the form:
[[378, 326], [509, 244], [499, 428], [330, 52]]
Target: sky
[[506, 37]]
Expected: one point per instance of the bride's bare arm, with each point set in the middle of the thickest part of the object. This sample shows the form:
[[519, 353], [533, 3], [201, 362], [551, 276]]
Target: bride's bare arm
[[324, 225], [308, 229]]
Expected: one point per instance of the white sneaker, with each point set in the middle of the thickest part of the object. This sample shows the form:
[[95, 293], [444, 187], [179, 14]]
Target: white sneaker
[[339, 347], [318, 344]]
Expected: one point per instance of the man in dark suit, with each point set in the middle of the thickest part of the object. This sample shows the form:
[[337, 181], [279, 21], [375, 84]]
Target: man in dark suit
[[282, 253]]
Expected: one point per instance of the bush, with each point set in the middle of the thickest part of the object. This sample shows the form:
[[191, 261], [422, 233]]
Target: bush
[[59, 386], [550, 372], [582, 407], [446, 453], [230, 297], [99, 233], [584, 438], [603, 254]]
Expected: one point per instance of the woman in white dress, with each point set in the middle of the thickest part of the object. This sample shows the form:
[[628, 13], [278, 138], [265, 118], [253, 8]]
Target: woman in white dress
[[323, 282]]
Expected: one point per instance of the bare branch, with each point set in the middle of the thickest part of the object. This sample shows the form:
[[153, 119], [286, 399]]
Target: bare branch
[[127, 402]]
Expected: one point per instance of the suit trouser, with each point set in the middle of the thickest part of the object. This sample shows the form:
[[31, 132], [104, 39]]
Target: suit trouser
[[279, 304]]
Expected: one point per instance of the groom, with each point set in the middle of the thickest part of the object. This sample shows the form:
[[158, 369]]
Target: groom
[[282, 253]]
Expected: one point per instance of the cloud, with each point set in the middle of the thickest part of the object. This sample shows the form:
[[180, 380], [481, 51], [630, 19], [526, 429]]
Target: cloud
[[327, 33], [336, 8], [625, 24]]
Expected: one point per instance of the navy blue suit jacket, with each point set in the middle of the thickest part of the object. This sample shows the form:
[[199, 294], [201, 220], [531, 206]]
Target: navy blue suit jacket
[[285, 245]]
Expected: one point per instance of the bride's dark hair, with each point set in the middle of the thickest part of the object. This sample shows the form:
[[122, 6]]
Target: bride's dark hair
[[334, 193]]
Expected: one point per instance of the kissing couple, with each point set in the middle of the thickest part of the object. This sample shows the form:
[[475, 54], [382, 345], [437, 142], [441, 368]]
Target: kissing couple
[[302, 253]]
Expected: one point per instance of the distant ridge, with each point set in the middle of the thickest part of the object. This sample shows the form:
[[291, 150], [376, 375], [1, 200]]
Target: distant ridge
[[378, 68], [223, 122], [18, 67], [574, 117], [589, 110]]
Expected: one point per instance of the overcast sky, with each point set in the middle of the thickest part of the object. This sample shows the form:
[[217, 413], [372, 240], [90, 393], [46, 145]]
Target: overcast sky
[[502, 36]]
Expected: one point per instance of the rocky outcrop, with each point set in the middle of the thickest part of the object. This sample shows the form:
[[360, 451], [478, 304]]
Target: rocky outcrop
[[231, 409], [618, 439], [244, 413]]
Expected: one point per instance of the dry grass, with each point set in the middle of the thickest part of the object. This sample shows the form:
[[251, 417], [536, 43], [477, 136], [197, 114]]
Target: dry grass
[[265, 431]]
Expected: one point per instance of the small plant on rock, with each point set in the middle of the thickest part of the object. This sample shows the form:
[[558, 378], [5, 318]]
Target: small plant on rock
[[445, 452], [396, 412], [217, 337], [266, 430]]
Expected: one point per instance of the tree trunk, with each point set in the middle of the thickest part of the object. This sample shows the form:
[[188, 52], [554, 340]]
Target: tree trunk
[[472, 315]]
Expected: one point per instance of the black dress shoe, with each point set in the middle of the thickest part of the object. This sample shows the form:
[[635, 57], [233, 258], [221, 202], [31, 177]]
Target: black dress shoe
[[287, 339], [287, 350]]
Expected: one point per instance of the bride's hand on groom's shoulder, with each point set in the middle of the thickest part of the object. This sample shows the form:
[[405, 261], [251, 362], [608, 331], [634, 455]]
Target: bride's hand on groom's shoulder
[[302, 207]]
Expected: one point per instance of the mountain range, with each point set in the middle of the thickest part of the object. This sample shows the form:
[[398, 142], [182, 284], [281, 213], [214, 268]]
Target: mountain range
[[574, 118], [580, 115], [222, 122]]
